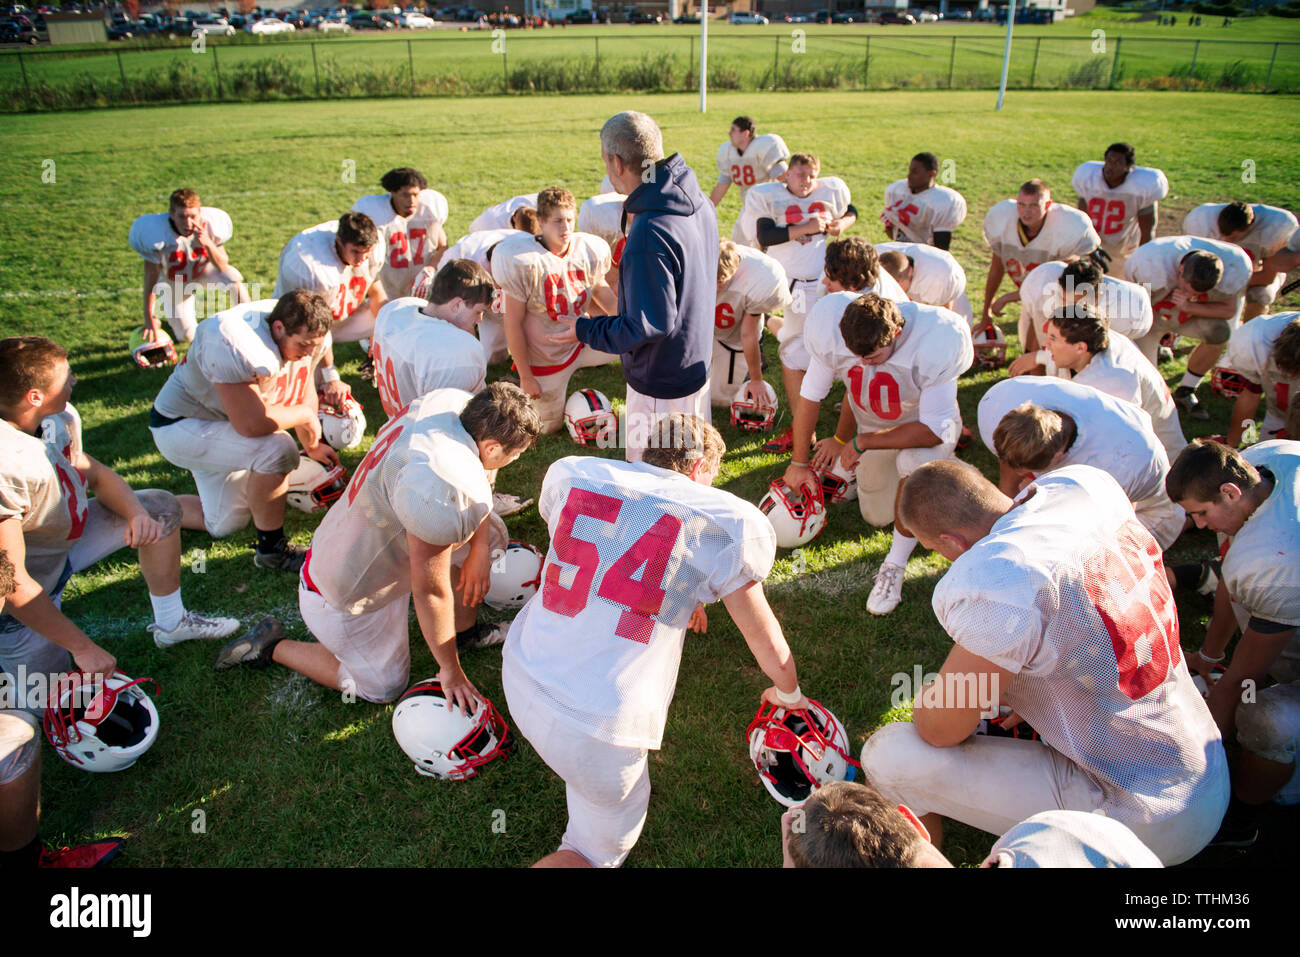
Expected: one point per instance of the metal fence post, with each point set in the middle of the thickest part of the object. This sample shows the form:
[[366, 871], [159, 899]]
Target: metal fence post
[[1268, 78], [1191, 70], [866, 64], [22, 64], [315, 68], [690, 63], [597, 39], [1114, 67], [1033, 70], [221, 95], [776, 59], [410, 59], [952, 59]]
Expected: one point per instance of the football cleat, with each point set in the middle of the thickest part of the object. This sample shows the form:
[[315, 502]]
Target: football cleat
[[343, 428], [590, 417], [796, 752], [152, 355], [441, 741], [111, 732], [1187, 402], [990, 347], [795, 521], [516, 575], [313, 487], [749, 415], [1229, 383], [839, 484]]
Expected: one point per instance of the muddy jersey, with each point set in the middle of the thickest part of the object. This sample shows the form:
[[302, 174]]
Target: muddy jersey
[[182, 257], [310, 261], [409, 241], [916, 217], [758, 286], [801, 258], [1114, 209], [416, 353], [1066, 234]]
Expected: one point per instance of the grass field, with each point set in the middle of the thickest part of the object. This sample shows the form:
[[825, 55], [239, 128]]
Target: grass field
[[285, 773], [1126, 54]]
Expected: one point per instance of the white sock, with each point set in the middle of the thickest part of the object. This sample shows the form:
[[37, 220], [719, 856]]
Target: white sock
[[900, 550], [1192, 379], [168, 610]]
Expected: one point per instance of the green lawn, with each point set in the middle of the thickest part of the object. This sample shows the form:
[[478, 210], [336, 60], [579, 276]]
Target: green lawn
[[287, 773], [1089, 52]]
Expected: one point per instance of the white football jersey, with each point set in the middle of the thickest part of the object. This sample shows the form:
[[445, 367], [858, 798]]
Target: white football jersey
[[552, 288], [415, 353], [1123, 371], [1114, 212], [1066, 234], [422, 475], [634, 549], [801, 258], [475, 246], [409, 242], [933, 349], [1068, 592], [603, 216], [1070, 839], [1112, 435], [1261, 565], [40, 487], [1269, 233], [1155, 265], [758, 286], [309, 261], [766, 158], [916, 217], [1126, 305], [1250, 352], [937, 278], [498, 216], [231, 347], [155, 238]]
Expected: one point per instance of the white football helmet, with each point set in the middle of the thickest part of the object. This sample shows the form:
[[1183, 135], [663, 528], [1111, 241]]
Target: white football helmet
[[796, 752], [441, 741], [589, 416], [344, 427], [990, 346], [748, 415], [516, 575], [108, 732], [313, 487], [838, 483], [795, 522], [152, 355]]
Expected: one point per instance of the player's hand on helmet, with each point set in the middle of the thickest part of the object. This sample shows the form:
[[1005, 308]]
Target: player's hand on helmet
[[336, 393], [755, 393], [530, 386], [798, 476], [1026, 364], [476, 576], [773, 696], [459, 690], [323, 453], [142, 529], [150, 333], [567, 332], [94, 663], [824, 454], [699, 622]]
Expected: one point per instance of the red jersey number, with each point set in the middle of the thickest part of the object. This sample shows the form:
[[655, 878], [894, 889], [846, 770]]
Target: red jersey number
[[183, 267], [389, 434], [724, 316], [904, 211], [386, 382], [742, 175], [565, 295], [349, 297], [881, 390], [68, 483], [1107, 217]]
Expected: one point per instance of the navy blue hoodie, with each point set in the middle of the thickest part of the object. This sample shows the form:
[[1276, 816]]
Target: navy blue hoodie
[[667, 287]]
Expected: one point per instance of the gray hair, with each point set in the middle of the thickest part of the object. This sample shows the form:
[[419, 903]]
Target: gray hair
[[632, 137]]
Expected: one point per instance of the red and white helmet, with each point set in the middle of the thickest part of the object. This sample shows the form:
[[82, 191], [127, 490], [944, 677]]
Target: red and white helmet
[[342, 427], [749, 415], [990, 346], [441, 741], [516, 575], [796, 522], [1229, 383], [796, 752], [107, 732], [313, 487], [838, 483], [152, 355], [590, 417]]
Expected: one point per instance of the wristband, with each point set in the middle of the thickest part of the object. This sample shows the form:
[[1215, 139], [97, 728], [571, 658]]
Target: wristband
[[839, 440], [1206, 658], [329, 374], [802, 465], [789, 699], [1044, 357], [855, 446]]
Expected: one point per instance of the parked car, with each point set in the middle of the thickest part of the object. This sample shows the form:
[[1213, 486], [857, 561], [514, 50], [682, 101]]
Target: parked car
[[643, 16], [369, 21], [269, 26], [584, 16], [121, 30], [211, 27], [820, 16], [904, 19], [687, 18], [961, 13], [11, 31], [415, 21], [331, 25], [750, 18], [849, 16], [924, 16]]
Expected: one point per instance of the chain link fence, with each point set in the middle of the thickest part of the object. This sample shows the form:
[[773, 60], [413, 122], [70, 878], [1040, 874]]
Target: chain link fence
[[496, 63]]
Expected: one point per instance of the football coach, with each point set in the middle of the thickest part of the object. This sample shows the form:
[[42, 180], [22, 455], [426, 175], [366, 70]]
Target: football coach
[[667, 281]]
